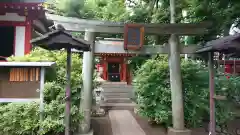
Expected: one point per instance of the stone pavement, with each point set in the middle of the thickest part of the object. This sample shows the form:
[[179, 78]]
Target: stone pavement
[[123, 123]]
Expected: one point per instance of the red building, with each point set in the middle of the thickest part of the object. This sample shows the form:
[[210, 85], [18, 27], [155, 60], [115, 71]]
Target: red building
[[16, 21], [231, 66], [115, 65]]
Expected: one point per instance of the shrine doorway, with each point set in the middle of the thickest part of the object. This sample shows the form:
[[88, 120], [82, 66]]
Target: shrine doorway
[[114, 74], [114, 68], [7, 34]]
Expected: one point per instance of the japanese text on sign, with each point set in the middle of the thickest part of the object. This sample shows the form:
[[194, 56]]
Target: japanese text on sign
[[134, 36]]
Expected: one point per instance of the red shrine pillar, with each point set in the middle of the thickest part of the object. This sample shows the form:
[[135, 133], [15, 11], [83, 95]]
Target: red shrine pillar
[[228, 69], [104, 65], [28, 36], [124, 70]]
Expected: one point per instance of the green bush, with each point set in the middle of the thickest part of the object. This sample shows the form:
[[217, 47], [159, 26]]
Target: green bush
[[153, 93], [23, 119]]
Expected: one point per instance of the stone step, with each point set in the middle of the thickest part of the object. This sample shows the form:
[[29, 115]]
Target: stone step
[[117, 90], [117, 95], [117, 86], [118, 100], [114, 83], [117, 106]]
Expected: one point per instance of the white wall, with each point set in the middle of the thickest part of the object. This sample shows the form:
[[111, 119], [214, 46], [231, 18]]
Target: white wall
[[19, 40], [19, 32], [12, 17]]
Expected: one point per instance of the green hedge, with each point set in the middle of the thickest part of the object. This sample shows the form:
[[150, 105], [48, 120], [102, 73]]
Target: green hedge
[[153, 93], [23, 119]]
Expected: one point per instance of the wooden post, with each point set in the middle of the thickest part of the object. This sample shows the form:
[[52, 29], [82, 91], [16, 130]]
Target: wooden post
[[68, 93], [41, 106], [86, 100], [175, 76], [211, 86]]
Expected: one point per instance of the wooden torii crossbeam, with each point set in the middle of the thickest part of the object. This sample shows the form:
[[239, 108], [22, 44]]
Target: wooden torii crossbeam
[[146, 49], [75, 24], [81, 25]]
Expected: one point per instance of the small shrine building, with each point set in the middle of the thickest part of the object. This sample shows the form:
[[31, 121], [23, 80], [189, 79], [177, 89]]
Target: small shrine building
[[114, 66], [231, 66], [16, 21]]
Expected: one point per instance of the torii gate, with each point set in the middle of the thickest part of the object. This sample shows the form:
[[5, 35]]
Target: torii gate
[[92, 27]]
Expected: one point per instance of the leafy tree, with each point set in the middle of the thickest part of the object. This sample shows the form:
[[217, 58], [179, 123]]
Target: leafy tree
[[153, 93], [221, 13]]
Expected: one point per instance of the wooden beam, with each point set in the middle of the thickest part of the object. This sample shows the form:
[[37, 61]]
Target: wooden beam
[[75, 24], [147, 49], [220, 97]]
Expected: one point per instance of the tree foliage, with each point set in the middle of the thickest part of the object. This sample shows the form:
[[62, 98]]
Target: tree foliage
[[152, 87], [220, 13], [90, 9]]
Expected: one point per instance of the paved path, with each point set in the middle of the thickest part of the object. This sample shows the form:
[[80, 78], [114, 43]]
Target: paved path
[[123, 123]]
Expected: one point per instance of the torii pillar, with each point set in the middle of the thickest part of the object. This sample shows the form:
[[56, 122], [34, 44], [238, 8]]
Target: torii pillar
[[176, 81], [87, 89]]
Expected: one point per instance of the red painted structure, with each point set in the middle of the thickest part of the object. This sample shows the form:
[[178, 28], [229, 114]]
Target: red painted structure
[[20, 16], [115, 67], [230, 65]]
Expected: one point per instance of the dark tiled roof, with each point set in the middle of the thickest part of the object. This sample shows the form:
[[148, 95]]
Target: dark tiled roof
[[59, 39], [228, 45]]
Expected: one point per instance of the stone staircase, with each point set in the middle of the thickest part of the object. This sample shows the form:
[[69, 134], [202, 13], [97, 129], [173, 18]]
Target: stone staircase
[[117, 96]]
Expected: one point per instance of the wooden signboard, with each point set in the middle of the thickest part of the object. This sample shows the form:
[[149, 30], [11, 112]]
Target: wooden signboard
[[133, 36], [24, 74], [21, 81]]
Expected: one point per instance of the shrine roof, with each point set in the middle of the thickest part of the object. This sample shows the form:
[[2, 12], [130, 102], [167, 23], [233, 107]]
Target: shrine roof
[[228, 45], [59, 39], [27, 64]]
